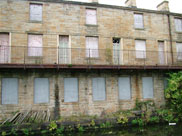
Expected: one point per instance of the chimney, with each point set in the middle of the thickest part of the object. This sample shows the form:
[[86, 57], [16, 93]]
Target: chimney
[[130, 3], [163, 6]]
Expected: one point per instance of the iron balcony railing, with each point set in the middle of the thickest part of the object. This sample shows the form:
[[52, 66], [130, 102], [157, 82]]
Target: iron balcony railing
[[81, 56]]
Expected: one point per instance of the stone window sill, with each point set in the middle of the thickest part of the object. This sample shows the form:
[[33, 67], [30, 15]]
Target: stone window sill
[[90, 25]]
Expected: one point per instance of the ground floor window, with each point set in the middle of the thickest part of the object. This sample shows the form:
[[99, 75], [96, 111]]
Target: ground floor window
[[124, 88], [147, 84]]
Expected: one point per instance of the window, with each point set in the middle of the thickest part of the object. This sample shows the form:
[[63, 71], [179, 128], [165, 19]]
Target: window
[[147, 84], [165, 82], [41, 90], [138, 21], [116, 50], [124, 88], [34, 45], [140, 49], [91, 16], [178, 24], [36, 12], [4, 48], [98, 88], [92, 47], [70, 90], [179, 51], [9, 91]]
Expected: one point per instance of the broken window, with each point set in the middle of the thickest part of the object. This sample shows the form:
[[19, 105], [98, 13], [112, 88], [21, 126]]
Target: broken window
[[92, 47], [91, 16], [34, 45], [35, 12], [138, 20], [41, 90], [98, 88], [140, 49], [70, 90], [178, 24], [147, 84], [124, 88], [116, 50], [9, 90]]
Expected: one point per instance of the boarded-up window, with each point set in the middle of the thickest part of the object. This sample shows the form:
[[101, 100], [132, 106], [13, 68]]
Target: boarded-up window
[[34, 45], [92, 47], [147, 84], [9, 91], [70, 89], [124, 88], [91, 16], [98, 88], [4, 48], [138, 19], [179, 51], [165, 82], [140, 49], [35, 12], [178, 24], [41, 90], [161, 52]]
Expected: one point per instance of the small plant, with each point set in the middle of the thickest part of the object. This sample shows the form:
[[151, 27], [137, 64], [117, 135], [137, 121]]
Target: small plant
[[122, 119], [154, 119], [80, 128], [138, 121], [52, 126], [13, 132], [60, 130], [4, 133]]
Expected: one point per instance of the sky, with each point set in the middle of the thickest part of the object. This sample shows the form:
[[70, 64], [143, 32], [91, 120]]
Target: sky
[[174, 5]]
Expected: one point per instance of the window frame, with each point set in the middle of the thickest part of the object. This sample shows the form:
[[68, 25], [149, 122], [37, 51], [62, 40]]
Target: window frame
[[91, 51], [141, 51], [86, 17], [152, 87], [139, 28], [176, 18], [35, 21], [179, 54], [130, 87]]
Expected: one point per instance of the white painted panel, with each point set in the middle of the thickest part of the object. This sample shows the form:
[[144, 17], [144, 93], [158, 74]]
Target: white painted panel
[[70, 89], [41, 90], [138, 19], [178, 24], [4, 48], [34, 45], [92, 47], [98, 88], [116, 51], [91, 16], [140, 49], [179, 51], [64, 50], [9, 91], [35, 12], [124, 88], [161, 53], [147, 84]]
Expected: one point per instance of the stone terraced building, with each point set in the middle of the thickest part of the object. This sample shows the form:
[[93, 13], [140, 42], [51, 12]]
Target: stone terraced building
[[76, 58]]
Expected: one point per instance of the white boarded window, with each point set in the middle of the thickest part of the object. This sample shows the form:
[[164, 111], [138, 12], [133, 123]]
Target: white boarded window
[[9, 90], [124, 88], [35, 12], [178, 24], [34, 45], [70, 90], [179, 51], [92, 47], [91, 16], [140, 49], [98, 88], [4, 48], [138, 20], [41, 90], [147, 84]]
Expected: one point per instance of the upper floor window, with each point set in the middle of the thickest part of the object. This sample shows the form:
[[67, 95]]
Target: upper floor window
[[4, 48], [91, 16], [178, 24], [179, 51], [138, 21], [140, 49], [36, 12], [34, 45], [92, 47]]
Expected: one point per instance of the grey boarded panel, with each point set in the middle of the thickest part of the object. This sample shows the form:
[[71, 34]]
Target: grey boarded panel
[[41, 90], [124, 88], [70, 89], [147, 87], [165, 83], [98, 88], [9, 90]]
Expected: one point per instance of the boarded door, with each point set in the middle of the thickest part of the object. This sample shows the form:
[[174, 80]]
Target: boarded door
[[147, 84], [161, 53], [124, 88], [70, 89], [4, 48], [9, 91], [64, 50]]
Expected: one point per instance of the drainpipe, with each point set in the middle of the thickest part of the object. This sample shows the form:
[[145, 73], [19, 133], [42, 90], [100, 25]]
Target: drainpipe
[[170, 36]]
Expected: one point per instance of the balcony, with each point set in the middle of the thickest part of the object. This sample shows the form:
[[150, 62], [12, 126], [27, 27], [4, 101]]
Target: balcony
[[80, 58]]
